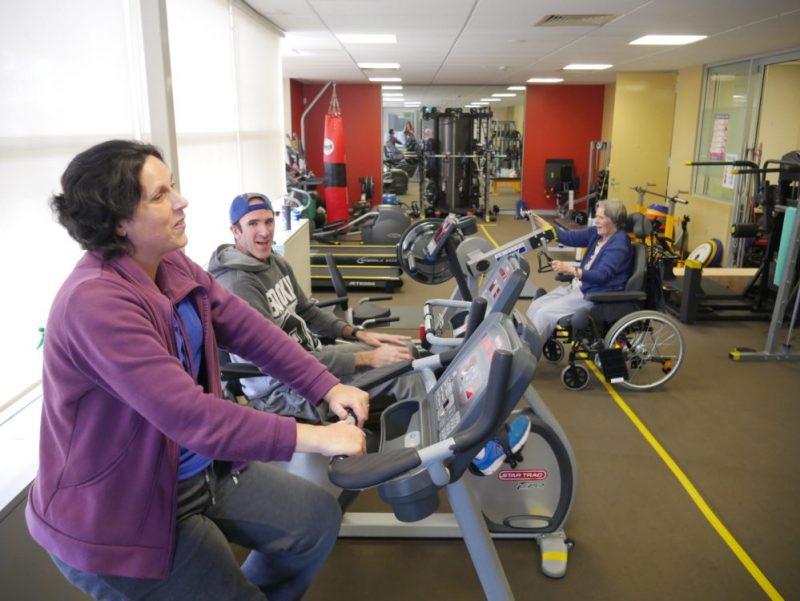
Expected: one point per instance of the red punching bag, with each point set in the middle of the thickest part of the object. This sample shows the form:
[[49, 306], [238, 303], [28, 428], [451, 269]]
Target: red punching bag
[[336, 203]]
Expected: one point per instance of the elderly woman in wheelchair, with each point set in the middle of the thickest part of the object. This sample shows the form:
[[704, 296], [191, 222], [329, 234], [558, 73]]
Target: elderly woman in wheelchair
[[598, 315]]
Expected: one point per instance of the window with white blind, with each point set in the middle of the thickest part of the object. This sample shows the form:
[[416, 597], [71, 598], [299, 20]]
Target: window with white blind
[[71, 75], [228, 96]]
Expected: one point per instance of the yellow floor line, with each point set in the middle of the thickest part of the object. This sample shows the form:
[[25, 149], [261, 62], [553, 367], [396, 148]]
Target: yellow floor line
[[715, 522], [488, 235]]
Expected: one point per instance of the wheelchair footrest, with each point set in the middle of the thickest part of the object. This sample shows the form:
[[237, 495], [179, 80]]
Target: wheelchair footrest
[[612, 363]]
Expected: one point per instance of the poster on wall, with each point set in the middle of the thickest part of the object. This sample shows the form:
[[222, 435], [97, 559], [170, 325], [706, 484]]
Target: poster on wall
[[719, 137], [727, 172]]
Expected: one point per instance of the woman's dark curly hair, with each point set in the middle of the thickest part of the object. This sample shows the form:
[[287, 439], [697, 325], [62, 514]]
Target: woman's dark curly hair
[[101, 188]]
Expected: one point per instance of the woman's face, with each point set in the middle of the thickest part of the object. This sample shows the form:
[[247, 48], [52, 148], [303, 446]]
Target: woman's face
[[605, 227], [157, 226]]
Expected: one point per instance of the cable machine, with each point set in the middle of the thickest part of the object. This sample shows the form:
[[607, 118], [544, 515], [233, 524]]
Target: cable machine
[[507, 143], [457, 161]]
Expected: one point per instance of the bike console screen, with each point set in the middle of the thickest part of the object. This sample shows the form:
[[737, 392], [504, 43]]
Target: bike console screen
[[457, 394]]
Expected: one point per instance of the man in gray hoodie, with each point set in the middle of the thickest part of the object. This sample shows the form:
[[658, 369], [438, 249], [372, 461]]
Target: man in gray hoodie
[[267, 282]]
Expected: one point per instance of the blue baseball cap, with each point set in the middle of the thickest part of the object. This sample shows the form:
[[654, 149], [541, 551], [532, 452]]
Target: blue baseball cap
[[241, 205]]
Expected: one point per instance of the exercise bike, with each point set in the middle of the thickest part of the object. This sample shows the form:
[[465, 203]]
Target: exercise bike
[[434, 251], [530, 498], [533, 496], [427, 445], [384, 224]]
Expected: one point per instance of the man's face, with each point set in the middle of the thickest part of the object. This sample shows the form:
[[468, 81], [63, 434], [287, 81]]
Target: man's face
[[253, 233]]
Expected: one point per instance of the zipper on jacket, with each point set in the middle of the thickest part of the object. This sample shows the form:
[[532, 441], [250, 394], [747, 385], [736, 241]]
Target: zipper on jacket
[[209, 487]]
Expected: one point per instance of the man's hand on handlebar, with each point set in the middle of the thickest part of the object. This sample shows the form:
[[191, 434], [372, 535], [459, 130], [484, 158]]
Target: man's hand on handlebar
[[376, 339], [386, 354], [343, 397]]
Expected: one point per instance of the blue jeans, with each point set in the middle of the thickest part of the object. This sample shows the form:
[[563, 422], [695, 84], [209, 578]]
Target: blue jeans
[[289, 523]]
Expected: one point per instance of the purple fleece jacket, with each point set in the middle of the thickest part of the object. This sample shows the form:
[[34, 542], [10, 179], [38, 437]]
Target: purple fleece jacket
[[118, 404]]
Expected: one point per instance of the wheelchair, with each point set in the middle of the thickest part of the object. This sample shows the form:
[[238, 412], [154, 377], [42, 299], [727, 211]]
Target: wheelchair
[[624, 335]]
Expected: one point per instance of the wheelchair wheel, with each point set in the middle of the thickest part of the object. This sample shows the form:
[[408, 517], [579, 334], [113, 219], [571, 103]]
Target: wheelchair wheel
[[575, 376], [652, 345], [553, 350]]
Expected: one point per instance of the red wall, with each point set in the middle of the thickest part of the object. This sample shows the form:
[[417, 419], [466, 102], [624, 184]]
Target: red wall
[[296, 104], [560, 121], [361, 109]]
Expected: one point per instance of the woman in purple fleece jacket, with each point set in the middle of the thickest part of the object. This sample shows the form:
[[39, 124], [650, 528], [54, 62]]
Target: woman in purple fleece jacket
[[143, 475]]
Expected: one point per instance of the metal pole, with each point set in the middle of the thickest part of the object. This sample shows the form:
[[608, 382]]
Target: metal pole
[[305, 112]]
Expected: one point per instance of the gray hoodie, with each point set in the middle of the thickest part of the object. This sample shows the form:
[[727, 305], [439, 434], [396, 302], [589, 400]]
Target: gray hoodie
[[271, 288]]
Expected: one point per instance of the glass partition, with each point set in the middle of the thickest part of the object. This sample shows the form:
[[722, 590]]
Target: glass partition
[[723, 127], [778, 130]]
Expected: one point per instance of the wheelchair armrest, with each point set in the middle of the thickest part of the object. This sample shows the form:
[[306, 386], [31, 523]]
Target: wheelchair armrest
[[620, 296]]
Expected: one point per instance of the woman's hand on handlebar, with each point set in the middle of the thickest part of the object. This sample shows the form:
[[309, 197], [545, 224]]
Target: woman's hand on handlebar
[[340, 438], [342, 398], [564, 267]]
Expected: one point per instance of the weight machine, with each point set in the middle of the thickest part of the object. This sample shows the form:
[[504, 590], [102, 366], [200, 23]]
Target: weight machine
[[785, 200], [695, 299], [457, 163]]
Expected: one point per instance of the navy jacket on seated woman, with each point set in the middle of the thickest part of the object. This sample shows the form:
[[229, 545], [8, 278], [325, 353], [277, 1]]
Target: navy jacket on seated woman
[[612, 267]]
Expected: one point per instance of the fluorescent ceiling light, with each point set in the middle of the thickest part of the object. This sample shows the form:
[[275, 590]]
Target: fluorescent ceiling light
[[586, 67], [367, 38], [667, 40], [503, 95], [385, 79], [390, 94], [480, 103], [545, 80], [490, 100], [378, 65], [411, 104], [516, 88], [391, 87]]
